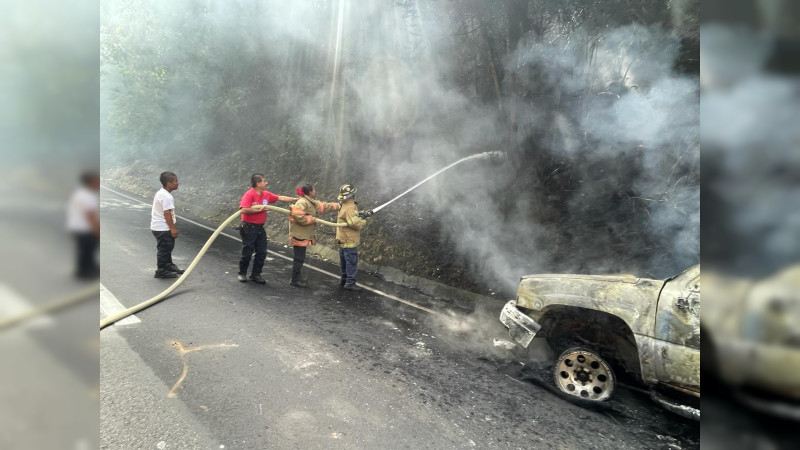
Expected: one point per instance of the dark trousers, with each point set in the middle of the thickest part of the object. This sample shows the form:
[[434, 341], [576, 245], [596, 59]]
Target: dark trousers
[[86, 245], [297, 263], [254, 239], [164, 245], [348, 265]]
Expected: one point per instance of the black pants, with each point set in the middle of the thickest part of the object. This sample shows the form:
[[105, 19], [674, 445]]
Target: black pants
[[164, 245], [297, 263], [86, 245], [254, 238]]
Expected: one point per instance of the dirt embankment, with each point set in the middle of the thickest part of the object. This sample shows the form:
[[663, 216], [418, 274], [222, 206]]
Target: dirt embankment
[[399, 244]]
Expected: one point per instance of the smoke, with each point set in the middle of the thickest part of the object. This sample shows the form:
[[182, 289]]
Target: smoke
[[750, 139], [632, 133], [601, 164]]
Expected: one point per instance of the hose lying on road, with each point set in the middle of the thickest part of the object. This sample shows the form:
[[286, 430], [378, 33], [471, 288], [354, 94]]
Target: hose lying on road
[[123, 314], [90, 292]]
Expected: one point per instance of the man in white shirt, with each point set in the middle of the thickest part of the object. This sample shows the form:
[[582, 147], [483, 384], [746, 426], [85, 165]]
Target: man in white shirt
[[83, 221], [162, 224]]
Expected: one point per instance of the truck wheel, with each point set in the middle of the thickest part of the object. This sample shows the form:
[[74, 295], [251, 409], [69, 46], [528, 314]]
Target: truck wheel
[[582, 374]]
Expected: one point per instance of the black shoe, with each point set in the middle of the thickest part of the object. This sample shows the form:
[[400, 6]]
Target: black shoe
[[352, 287], [242, 278], [299, 283], [174, 268], [341, 284], [161, 273], [87, 275], [257, 279]]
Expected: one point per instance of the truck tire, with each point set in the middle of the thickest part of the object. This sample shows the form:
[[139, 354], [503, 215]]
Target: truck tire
[[582, 375]]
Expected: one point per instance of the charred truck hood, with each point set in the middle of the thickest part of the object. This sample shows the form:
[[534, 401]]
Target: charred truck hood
[[633, 299]]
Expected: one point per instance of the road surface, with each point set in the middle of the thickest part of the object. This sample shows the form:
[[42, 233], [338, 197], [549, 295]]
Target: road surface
[[224, 364]]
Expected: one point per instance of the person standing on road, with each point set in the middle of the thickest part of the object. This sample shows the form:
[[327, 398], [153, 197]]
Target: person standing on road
[[254, 216], [348, 237], [83, 221], [162, 224], [302, 224]]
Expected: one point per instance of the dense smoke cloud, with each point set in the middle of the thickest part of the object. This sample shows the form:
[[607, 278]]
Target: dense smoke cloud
[[750, 139], [382, 95], [641, 109]]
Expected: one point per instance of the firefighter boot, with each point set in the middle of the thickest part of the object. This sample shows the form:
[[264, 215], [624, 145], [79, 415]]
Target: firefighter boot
[[296, 280], [352, 287]]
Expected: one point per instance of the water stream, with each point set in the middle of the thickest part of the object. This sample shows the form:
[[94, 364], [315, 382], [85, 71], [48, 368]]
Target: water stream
[[479, 155]]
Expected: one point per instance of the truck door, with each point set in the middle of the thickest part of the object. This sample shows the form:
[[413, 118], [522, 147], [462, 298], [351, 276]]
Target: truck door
[[677, 344]]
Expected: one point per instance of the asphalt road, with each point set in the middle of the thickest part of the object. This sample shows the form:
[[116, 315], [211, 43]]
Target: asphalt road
[[224, 364]]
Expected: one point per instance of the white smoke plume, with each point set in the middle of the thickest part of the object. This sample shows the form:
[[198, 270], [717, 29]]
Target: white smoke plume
[[382, 95]]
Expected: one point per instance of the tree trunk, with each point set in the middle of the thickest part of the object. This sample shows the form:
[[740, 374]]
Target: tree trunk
[[492, 69]]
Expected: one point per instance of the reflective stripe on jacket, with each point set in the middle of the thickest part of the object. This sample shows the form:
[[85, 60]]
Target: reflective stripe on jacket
[[303, 218], [349, 236]]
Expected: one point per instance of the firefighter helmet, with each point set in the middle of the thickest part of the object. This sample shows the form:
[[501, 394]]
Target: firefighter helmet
[[346, 191]]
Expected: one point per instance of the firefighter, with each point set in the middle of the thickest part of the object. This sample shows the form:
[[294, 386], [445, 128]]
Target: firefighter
[[302, 224], [348, 237]]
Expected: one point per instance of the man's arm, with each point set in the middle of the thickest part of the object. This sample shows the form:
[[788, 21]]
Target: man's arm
[[324, 207], [173, 231], [301, 216], [353, 220], [253, 209], [283, 198]]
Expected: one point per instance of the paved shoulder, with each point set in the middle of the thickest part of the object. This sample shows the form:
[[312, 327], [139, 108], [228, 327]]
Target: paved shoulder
[[134, 412]]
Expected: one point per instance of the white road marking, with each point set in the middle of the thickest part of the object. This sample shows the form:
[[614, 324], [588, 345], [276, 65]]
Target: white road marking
[[109, 305], [330, 274], [12, 304]]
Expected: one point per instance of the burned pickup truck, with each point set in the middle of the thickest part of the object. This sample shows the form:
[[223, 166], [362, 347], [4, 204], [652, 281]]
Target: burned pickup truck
[[602, 327]]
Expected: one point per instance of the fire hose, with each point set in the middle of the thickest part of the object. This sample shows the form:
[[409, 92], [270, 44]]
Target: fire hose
[[80, 296], [109, 320], [123, 314]]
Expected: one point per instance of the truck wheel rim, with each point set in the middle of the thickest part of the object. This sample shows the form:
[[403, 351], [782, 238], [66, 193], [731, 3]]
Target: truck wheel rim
[[584, 375]]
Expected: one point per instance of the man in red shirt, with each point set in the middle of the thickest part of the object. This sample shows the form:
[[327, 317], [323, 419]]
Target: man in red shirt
[[254, 237]]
